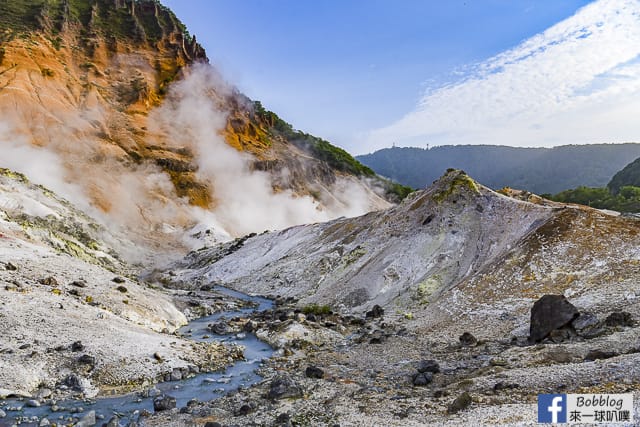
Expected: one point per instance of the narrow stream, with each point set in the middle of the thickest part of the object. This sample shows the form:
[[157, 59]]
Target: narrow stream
[[203, 387]]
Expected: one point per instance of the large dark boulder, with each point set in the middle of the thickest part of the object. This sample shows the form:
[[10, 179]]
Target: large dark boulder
[[549, 313]]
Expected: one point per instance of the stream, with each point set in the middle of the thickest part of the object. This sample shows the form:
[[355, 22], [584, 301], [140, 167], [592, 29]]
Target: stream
[[203, 386]]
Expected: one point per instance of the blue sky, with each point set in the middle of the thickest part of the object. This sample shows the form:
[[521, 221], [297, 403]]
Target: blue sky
[[367, 74]]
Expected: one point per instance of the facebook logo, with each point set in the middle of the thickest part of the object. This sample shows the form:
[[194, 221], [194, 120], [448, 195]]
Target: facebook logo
[[552, 408]]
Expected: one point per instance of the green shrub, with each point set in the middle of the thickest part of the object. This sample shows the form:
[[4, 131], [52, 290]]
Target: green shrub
[[317, 309]]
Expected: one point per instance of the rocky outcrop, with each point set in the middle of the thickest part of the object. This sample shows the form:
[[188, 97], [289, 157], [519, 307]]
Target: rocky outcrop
[[410, 254]]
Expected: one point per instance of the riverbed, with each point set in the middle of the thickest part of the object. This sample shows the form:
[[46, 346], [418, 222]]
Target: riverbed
[[203, 387]]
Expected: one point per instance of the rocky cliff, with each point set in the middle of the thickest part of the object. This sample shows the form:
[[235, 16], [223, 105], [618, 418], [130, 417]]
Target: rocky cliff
[[95, 84]]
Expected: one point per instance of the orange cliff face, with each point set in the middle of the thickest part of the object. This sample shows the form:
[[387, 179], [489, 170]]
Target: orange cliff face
[[84, 92], [107, 87]]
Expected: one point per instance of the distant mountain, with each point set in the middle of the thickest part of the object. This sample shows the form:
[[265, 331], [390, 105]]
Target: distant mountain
[[539, 170]]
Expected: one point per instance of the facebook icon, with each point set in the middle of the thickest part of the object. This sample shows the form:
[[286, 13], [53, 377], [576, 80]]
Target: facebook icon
[[552, 408]]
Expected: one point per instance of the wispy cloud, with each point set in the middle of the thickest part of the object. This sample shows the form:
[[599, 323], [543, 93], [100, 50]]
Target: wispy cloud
[[577, 82]]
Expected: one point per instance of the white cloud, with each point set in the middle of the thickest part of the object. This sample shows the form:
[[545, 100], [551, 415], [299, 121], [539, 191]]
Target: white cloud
[[577, 82]]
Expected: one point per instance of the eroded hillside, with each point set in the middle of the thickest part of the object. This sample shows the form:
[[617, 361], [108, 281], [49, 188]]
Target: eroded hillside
[[66, 293], [421, 314], [93, 89]]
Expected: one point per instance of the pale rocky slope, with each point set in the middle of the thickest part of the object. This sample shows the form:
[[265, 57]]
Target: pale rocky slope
[[406, 256], [60, 283], [453, 259]]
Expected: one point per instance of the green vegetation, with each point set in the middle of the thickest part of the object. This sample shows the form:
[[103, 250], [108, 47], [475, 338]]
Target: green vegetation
[[621, 194], [317, 310], [56, 42], [538, 170], [399, 190], [628, 176], [335, 157], [626, 200], [461, 180], [95, 16]]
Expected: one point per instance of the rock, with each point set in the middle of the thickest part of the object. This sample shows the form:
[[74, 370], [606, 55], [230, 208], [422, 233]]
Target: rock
[[44, 393], [560, 335], [250, 326], [118, 279], [10, 267], [77, 346], [2, 414], [164, 403], [428, 366], [88, 420], [599, 354], [283, 420], [375, 312], [587, 325], [122, 289], [467, 340], [619, 318], [594, 332], [113, 422], [176, 375], [73, 382], [377, 337], [549, 313], [49, 281], [283, 387], [212, 424], [422, 379], [504, 386], [244, 410], [461, 403], [220, 328], [44, 422], [86, 359], [157, 356], [79, 284], [32, 403], [314, 372]]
